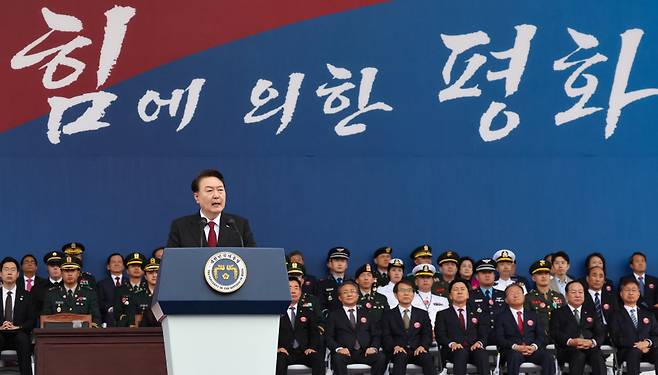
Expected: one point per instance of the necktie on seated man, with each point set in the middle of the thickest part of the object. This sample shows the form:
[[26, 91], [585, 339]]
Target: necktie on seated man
[[462, 319], [597, 305], [293, 317], [212, 236], [405, 319], [519, 321], [9, 313], [357, 346]]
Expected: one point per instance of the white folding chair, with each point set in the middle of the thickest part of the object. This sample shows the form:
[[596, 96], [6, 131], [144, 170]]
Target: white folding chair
[[358, 369], [299, 370]]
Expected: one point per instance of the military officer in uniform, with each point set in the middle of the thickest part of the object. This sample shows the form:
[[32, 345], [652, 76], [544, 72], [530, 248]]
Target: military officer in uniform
[[382, 258], [369, 300], [506, 265], [124, 295], [486, 300], [72, 297], [337, 262], [309, 284], [144, 297], [543, 300], [308, 301], [424, 298], [53, 260], [447, 263], [76, 250], [421, 255]]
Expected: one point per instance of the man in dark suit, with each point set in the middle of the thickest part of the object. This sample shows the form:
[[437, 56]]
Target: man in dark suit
[[577, 333], [634, 330], [108, 286], [407, 332], [18, 316], [299, 338], [648, 284], [352, 337], [461, 332], [600, 298], [520, 335], [211, 227], [29, 278]]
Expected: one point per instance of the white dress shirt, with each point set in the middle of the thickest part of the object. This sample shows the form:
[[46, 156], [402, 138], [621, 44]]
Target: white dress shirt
[[405, 308], [206, 229], [4, 298], [25, 278]]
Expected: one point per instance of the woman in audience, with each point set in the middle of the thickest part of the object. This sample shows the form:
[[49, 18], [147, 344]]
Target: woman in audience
[[466, 272]]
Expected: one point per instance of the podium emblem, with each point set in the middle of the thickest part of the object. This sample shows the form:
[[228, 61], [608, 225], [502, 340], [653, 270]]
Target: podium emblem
[[225, 272]]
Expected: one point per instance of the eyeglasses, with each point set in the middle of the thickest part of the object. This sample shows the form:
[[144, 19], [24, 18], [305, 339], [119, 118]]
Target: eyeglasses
[[348, 292], [406, 290]]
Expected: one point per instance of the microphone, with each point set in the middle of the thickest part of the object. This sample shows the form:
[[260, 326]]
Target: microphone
[[202, 224], [231, 224]]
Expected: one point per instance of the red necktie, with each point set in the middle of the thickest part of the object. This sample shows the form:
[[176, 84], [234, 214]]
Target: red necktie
[[212, 237], [28, 287], [462, 320], [519, 320]]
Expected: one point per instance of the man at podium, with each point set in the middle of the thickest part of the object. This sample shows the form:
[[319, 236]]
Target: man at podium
[[210, 227]]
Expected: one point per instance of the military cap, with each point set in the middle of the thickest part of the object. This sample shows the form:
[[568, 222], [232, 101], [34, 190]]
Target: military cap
[[338, 253], [540, 266], [485, 265], [153, 264], [383, 250], [70, 263], [73, 248], [422, 251], [396, 262], [504, 255], [53, 258], [424, 270], [295, 269], [362, 269], [134, 258], [448, 256]]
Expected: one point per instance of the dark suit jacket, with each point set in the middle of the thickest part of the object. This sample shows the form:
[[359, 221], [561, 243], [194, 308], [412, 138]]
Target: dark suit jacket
[[609, 304], [106, 291], [507, 331], [187, 232], [39, 289], [305, 331], [38, 281], [418, 334], [650, 291], [624, 334], [23, 310], [341, 334], [447, 327], [563, 326]]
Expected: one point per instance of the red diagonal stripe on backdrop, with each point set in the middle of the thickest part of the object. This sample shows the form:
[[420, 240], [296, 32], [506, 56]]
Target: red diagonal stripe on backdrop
[[160, 32]]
